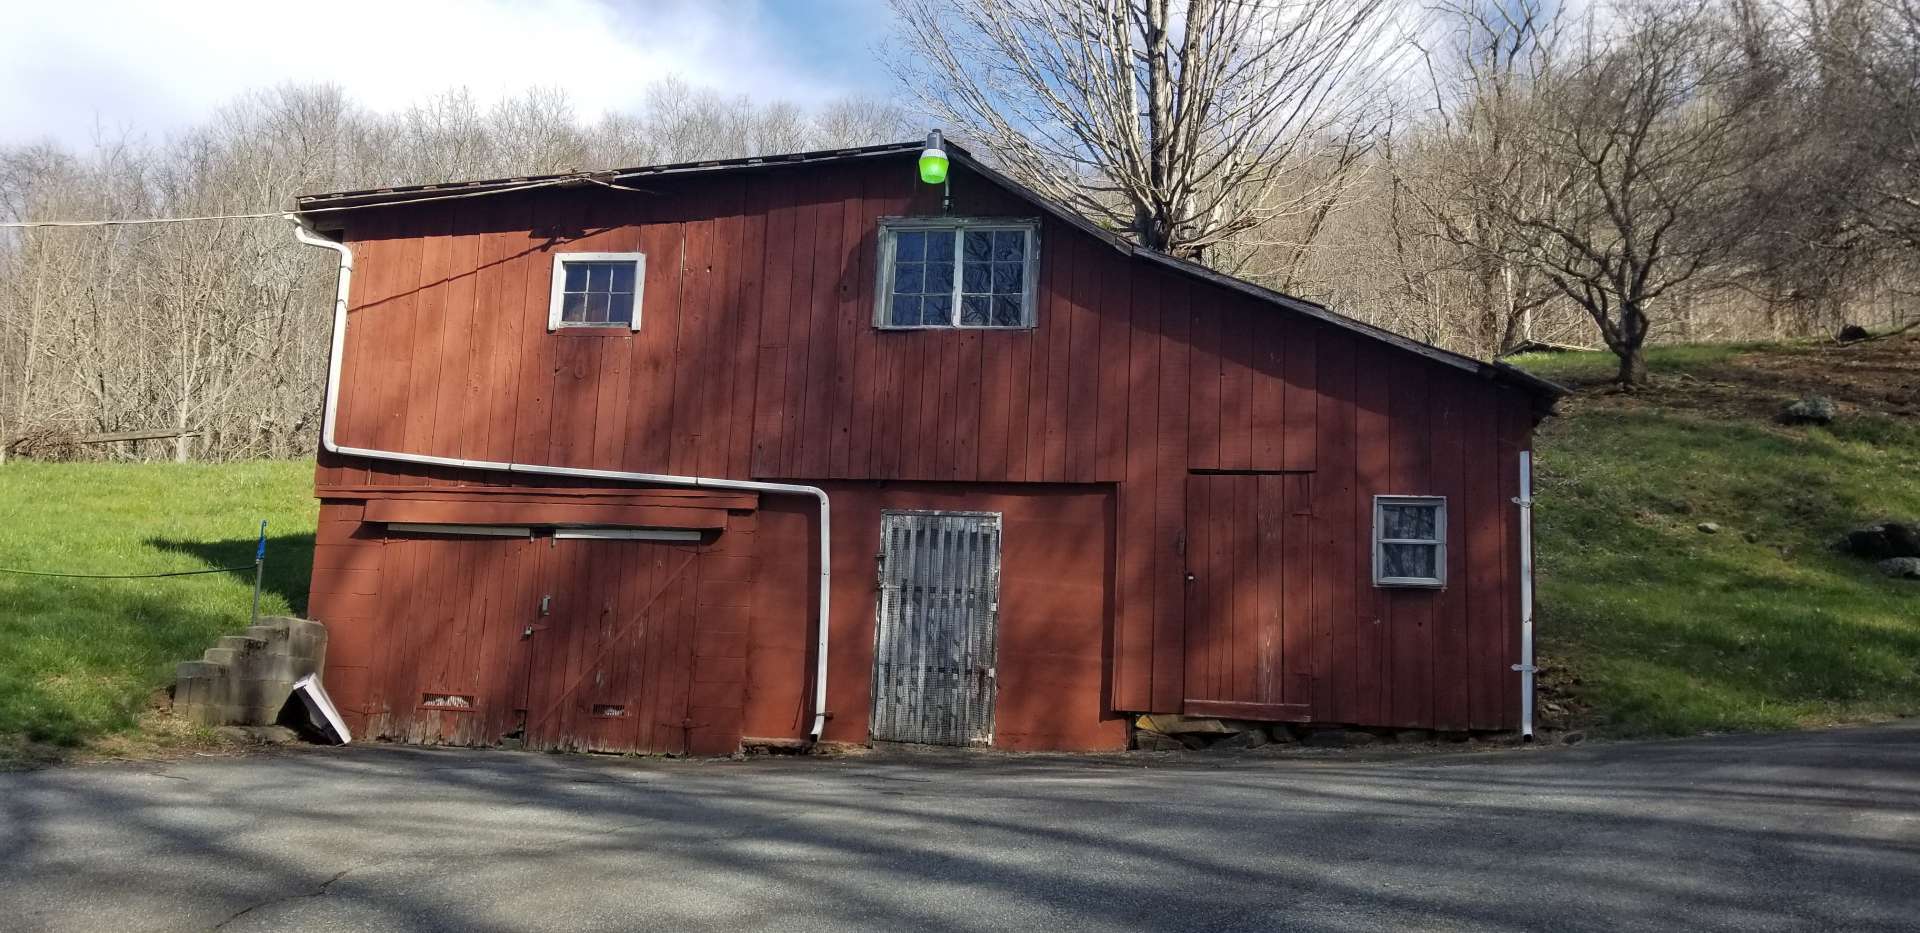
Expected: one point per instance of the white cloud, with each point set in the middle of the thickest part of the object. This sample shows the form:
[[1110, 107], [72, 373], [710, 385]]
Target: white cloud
[[159, 66]]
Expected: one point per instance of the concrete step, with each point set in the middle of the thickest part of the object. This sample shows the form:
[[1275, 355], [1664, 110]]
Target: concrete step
[[240, 644], [244, 679], [201, 670]]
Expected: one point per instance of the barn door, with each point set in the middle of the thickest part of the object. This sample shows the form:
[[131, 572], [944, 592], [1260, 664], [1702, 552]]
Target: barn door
[[612, 665], [1249, 556], [453, 668], [934, 640]]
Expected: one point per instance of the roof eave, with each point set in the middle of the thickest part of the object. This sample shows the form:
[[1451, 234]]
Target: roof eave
[[376, 197]]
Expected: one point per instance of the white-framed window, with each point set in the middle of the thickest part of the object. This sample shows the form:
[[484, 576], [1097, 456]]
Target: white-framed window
[[596, 290], [946, 272], [1409, 541]]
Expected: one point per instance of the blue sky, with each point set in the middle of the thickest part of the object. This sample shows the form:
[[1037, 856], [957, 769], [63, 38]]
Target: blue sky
[[156, 67]]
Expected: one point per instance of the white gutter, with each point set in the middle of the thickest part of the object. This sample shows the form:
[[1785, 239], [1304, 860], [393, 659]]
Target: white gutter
[[1525, 667], [305, 234]]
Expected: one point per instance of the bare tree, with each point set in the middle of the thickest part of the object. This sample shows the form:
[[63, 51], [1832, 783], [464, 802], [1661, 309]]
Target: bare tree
[[1470, 156], [1648, 136], [1171, 120]]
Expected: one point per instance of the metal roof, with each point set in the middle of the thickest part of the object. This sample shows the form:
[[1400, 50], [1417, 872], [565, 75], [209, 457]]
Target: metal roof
[[1542, 389]]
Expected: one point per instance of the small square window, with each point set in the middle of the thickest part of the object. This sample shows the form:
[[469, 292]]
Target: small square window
[[598, 290], [956, 272], [1409, 541]]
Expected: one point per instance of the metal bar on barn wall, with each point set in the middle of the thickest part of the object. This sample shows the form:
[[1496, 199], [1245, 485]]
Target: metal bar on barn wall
[[259, 568], [1526, 666]]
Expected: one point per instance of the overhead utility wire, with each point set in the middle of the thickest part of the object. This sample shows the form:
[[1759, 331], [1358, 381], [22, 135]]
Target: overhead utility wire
[[571, 179]]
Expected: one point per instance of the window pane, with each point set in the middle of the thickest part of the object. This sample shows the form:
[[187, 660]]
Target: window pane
[[906, 310], [1006, 311], [599, 276], [939, 244], [1409, 560], [973, 310], [939, 278], [1009, 245], [623, 277], [907, 278], [1007, 278], [620, 308], [938, 309], [573, 307], [596, 309], [1408, 521], [576, 276], [910, 245], [976, 278], [978, 247]]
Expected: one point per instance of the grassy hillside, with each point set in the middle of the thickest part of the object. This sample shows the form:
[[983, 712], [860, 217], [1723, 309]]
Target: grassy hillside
[[82, 657], [1658, 628]]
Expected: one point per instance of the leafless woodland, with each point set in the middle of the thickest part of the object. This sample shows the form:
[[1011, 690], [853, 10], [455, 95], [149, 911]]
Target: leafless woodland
[[1485, 175]]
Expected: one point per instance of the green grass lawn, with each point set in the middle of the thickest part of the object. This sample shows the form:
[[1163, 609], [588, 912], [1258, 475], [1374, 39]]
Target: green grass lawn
[[82, 657], [1669, 630]]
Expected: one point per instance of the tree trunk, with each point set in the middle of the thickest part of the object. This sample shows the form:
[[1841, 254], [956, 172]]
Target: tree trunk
[[1633, 365], [1630, 345]]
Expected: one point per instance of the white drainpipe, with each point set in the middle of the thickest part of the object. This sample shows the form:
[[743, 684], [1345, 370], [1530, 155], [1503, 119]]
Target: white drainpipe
[[305, 234], [1525, 667]]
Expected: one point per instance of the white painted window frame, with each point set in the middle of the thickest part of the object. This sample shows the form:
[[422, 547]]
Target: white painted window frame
[[627, 534], [1438, 542], [883, 282], [559, 288]]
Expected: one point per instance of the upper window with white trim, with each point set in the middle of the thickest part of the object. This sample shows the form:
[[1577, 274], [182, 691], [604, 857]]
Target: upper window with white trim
[[1409, 541], [956, 272], [596, 290]]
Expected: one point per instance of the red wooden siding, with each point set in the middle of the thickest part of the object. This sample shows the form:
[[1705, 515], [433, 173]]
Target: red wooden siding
[[757, 358], [1054, 651], [642, 648]]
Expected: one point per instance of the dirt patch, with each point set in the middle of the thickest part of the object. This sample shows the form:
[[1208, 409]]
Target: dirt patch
[[157, 736], [1873, 376]]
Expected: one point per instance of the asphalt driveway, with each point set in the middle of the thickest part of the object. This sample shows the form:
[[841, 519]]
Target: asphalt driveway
[[1804, 831]]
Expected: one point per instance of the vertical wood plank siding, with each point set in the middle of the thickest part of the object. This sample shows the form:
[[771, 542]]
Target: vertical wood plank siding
[[1244, 443]]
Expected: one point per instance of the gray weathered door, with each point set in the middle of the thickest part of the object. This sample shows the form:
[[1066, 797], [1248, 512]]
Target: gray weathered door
[[939, 607]]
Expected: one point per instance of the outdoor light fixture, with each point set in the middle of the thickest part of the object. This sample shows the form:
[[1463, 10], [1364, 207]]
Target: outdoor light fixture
[[933, 160]]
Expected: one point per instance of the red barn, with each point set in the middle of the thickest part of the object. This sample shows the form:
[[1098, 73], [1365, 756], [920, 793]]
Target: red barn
[[584, 433]]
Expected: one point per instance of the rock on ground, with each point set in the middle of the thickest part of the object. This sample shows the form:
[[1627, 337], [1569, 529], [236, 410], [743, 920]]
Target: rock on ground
[[1811, 409], [1905, 568], [1883, 540]]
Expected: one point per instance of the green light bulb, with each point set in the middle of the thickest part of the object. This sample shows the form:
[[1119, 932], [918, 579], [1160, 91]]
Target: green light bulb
[[933, 160], [933, 166]]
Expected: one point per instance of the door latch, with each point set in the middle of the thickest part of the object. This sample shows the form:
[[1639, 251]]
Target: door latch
[[546, 604]]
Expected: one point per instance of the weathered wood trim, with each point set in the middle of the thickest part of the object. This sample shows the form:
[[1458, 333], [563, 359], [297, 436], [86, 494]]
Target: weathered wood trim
[[1263, 712]]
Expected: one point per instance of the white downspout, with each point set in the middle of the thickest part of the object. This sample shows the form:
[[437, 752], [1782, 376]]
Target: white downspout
[[1526, 667], [305, 234]]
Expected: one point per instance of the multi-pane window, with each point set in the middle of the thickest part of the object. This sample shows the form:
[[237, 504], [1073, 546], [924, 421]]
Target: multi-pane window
[[596, 290], [956, 273], [1409, 541]]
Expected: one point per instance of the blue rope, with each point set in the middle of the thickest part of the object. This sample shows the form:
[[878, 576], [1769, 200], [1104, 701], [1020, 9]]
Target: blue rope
[[122, 576]]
